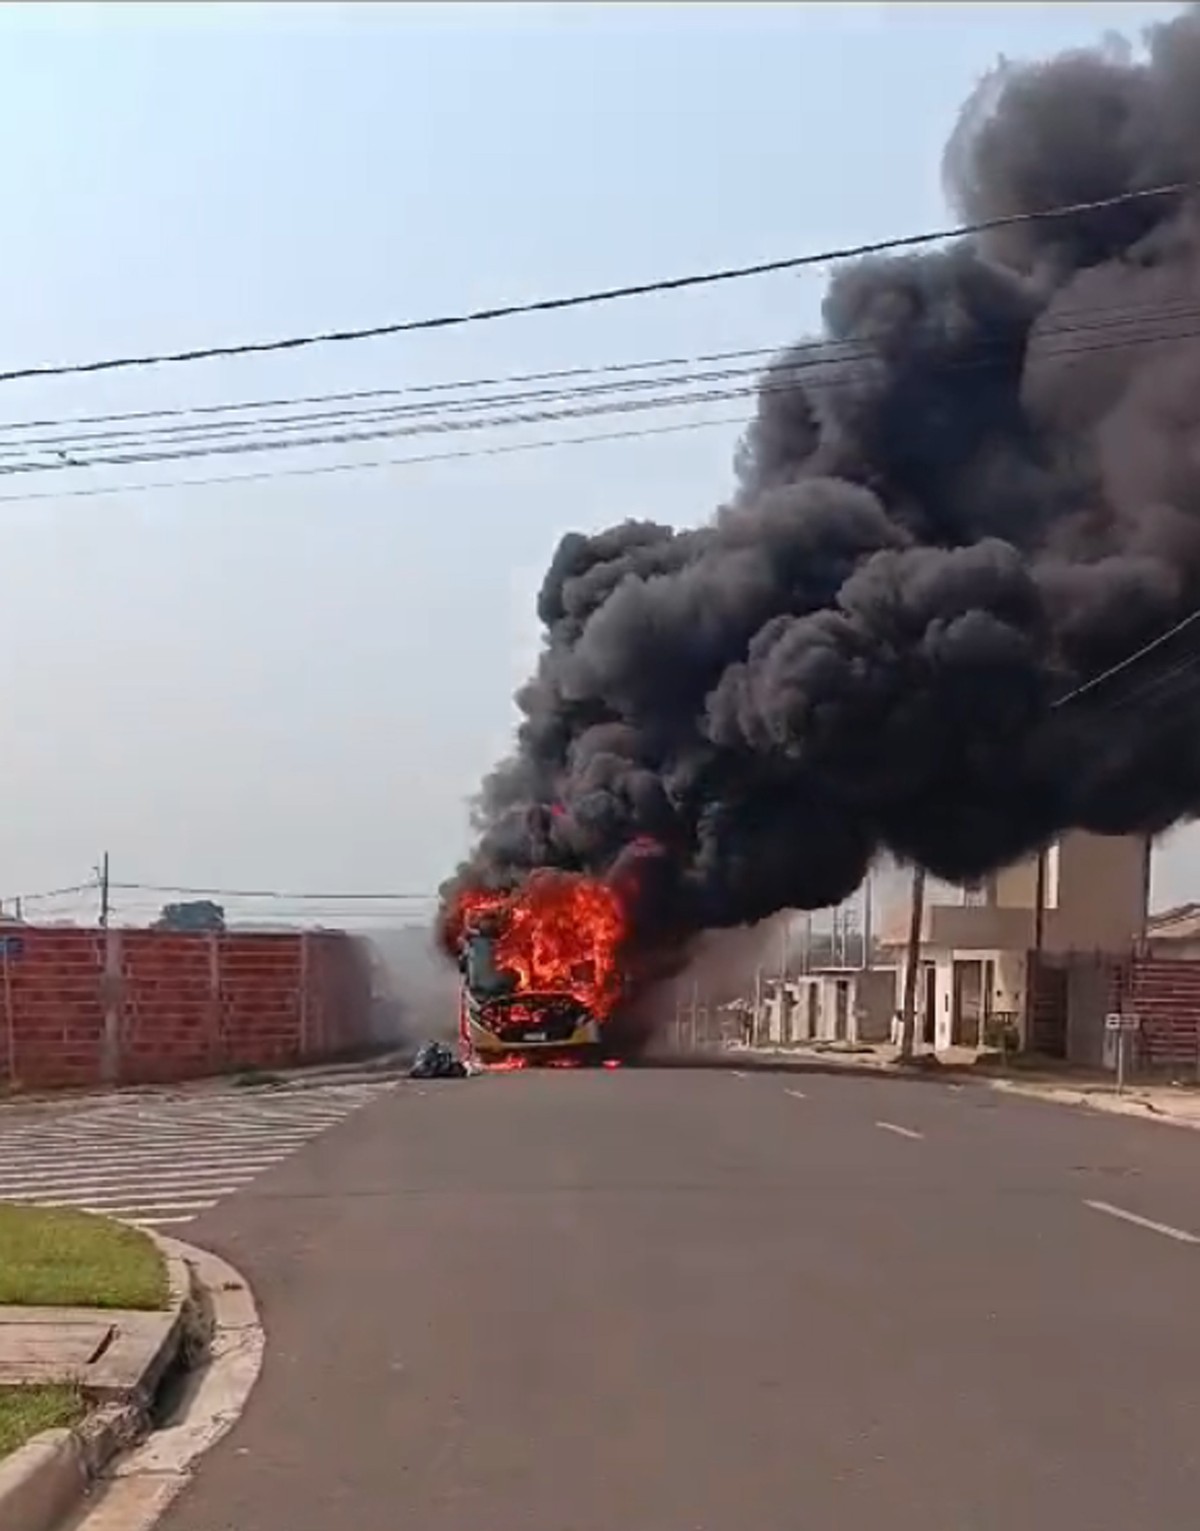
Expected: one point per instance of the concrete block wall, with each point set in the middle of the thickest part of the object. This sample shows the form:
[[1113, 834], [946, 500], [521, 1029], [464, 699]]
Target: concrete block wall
[[82, 1008]]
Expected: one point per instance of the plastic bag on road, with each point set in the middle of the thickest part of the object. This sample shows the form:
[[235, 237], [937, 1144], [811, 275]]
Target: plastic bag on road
[[435, 1060]]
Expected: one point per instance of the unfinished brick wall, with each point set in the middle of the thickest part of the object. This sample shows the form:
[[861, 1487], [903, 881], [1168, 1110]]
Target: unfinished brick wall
[[88, 1007]]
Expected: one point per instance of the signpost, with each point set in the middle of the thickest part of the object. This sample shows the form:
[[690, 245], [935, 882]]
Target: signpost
[[1121, 1027]]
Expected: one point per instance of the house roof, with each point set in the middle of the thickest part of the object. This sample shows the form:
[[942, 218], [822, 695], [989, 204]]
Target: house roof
[[1182, 923]]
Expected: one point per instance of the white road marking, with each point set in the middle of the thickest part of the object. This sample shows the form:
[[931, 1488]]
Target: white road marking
[[50, 1162], [737, 1074], [1180, 1235], [201, 1180], [796, 1094], [141, 1173], [124, 1208], [163, 1163], [901, 1132]]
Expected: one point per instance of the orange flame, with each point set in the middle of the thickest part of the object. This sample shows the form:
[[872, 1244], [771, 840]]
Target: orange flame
[[560, 933]]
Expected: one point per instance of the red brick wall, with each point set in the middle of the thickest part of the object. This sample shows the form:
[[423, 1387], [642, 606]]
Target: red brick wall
[[1165, 994], [79, 1007]]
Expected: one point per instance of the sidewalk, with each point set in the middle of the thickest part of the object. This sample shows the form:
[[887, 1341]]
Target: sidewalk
[[107, 1356], [1175, 1103], [17, 1105], [77, 1383]]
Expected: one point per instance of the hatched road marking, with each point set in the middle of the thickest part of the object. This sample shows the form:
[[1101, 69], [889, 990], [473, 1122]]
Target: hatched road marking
[[161, 1163], [1180, 1235]]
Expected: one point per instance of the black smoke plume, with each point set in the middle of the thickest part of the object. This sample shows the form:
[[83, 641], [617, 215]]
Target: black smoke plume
[[980, 490]]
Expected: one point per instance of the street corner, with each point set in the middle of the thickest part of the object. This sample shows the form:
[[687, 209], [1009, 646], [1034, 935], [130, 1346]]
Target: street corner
[[197, 1404]]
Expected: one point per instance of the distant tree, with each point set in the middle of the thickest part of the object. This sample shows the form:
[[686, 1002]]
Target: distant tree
[[199, 915]]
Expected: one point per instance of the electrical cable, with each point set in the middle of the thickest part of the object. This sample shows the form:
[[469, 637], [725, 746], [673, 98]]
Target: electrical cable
[[599, 295]]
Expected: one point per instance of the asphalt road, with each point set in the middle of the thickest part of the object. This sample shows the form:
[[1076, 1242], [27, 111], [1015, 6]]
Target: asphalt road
[[697, 1301]]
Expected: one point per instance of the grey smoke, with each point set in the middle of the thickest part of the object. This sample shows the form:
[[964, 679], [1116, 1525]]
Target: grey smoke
[[979, 490], [416, 995]]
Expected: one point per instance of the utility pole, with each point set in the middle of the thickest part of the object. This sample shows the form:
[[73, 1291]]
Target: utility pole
[[1033, 984], [868, 936], [1039, 904], [785, 957], [912, 965], [102, 874]]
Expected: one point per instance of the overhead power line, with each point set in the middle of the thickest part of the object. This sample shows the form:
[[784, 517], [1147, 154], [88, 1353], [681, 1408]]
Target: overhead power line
[[500, 449], [44, 894], [816, 375], [595, 296], [820, 350], [393, 424], [1124, 664], [458, 385], [192, 422], [273, 893], [783, 379]]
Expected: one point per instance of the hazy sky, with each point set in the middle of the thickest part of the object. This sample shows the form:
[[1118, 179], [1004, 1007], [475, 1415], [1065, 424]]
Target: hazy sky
[[297, 682]]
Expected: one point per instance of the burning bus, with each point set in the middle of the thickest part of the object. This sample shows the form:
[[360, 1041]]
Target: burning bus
[[540, 970]]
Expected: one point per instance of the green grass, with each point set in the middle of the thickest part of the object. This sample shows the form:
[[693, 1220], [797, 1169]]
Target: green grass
[[52, 1257], [26, 1411]]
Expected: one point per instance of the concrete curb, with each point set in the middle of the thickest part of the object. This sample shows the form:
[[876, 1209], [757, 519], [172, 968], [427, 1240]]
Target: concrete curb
[[137, 1489], [40, 1482], [1131, 1104], [313, 1072], [105, 1383], [852, 1065]]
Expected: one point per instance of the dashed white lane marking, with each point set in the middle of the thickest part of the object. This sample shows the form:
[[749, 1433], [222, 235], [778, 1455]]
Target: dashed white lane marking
[[737, 1074], [796, 1094], [1180, 1235], [901, 1132], [161, 1164]]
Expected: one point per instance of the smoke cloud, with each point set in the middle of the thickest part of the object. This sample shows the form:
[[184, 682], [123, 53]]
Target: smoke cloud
[[977, 491]]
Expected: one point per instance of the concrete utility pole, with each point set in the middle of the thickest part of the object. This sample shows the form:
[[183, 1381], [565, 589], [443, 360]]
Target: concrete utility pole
[[102, 872], [785, 961], [912, 965], [1033, 985]]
